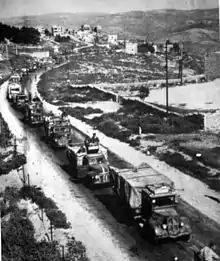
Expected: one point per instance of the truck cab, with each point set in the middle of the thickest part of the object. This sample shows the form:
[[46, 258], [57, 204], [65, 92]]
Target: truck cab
[[34, 114], [19, 101], [58, 130], [89, 163], [14, 87], [159, 213]]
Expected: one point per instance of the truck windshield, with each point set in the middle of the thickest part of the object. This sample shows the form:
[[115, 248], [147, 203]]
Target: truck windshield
[[163, 201], [15, 89], [98, 160], [21, 98], [16, 80], [61, 130]]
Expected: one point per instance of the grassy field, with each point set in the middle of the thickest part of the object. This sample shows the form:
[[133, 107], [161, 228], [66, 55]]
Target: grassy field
[[106, 66]]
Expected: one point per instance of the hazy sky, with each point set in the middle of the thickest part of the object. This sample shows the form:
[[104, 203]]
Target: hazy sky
[[29, 7]]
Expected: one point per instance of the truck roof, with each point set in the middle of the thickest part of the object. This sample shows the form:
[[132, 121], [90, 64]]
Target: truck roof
[[144, 177]]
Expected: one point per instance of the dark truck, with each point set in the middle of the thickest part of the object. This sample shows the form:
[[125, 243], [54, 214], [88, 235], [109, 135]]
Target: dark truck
[[152, 199], [89, 164], [34, 113], [19, 102], [58, 131]]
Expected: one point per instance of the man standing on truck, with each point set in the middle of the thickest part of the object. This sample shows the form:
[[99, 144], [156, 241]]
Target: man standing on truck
[[208, 253]]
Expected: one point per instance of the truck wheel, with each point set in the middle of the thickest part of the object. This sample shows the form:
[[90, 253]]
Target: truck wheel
[[186, 238], [88, 182]]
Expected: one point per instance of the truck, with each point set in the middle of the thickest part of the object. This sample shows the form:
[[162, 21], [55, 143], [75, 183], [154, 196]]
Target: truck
[[58, 130], [14, 86], [152, 200], [89, 164], [19, 102], [33, 112]]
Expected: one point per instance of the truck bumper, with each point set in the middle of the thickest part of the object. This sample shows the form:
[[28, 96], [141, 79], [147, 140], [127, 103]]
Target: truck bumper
[[176, 236]]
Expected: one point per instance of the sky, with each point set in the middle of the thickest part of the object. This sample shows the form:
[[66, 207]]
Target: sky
[[35, 7]]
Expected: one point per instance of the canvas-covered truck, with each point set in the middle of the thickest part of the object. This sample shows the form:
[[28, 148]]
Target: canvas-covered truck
[[58, 130], [34, 113], [89, 164], [152, 199], [14, 86]]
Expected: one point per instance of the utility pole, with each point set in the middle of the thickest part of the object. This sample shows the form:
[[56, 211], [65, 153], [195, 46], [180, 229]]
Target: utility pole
[[6, 51], [63, 257], [181, 64], [15, 147], [167, 94], [51, 230]]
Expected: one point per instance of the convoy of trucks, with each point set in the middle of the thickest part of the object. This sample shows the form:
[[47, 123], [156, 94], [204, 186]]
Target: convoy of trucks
[[150, 196], [152, 199], [58, 130]]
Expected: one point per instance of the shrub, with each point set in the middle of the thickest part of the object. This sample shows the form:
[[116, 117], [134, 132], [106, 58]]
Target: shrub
[[58, 218], [144, 92], [14, 163], [76, 251], [135, 142], [37, 196], [190, 166], [109, 127]]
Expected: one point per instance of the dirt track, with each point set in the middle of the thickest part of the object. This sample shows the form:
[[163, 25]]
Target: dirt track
[[86, 210]]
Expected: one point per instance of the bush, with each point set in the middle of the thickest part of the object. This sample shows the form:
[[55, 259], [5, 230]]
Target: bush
[[80, 112], [76, 251], [14, 163], [37, 196], [109, 127], [190, 166], [58, 218]]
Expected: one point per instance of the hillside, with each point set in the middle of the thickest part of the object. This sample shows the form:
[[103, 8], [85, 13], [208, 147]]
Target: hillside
[[153, 24]]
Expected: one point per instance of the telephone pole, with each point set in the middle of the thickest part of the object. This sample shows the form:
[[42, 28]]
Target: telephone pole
[[167, 83]]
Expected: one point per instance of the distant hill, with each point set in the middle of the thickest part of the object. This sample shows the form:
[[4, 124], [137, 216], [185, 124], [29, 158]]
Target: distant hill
[[155, 25]]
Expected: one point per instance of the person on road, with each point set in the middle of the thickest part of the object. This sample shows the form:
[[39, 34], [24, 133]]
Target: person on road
[[207, 253]]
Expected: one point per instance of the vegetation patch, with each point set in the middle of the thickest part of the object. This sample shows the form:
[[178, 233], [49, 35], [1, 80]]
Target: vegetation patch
[[190, 167], [54, 88], [9, 159], [80, 112], [18, 241], [53, 213]]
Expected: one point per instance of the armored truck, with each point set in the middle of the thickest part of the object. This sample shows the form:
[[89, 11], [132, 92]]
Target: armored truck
[[34, 114], [14, 87], [19, 102], [89, 163], [152, 199], [58, 130]]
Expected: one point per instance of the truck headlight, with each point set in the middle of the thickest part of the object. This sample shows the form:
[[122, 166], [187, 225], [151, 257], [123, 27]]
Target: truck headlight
[[181, 224], [157, 231], [164, 226]]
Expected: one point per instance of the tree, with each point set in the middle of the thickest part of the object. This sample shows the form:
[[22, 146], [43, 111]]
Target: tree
[[47, 32], [144, 92]]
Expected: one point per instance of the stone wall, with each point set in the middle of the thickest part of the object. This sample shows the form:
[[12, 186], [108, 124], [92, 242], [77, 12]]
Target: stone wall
[[212, 121], [212, 66]]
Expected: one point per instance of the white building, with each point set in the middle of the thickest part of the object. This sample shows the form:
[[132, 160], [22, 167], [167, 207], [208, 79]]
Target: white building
[[38, 54], [57, 30], [113, 39], [131, 48], [41, 30], [56, 49]]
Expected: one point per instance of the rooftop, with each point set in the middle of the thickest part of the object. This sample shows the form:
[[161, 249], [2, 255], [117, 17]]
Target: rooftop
[[144, 177]]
